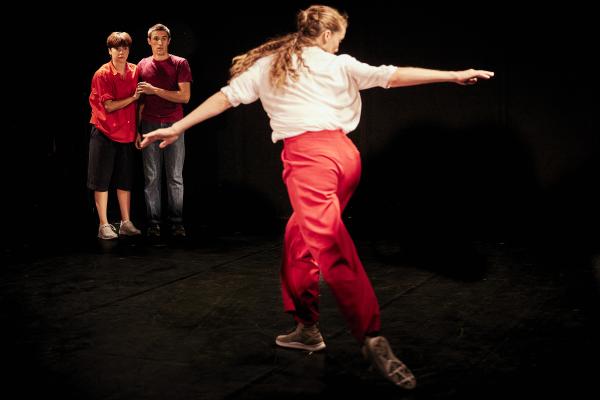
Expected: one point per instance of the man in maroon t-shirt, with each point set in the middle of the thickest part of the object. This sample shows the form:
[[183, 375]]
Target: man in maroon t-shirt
[[165, 81]]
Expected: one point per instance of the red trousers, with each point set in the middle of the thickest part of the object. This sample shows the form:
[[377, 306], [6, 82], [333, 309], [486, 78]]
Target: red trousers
[[321, 171]]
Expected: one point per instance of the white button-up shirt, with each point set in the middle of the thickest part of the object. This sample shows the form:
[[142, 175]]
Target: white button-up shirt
[[325, 97]]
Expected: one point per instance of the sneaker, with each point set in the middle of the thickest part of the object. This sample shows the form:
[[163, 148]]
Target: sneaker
[[153, 231], [377, 350], [178, 230], [107, 232], [128, 229], [303, 338]]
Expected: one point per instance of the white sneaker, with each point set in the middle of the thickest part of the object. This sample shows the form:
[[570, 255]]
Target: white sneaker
[[107, 232], [128, 229]]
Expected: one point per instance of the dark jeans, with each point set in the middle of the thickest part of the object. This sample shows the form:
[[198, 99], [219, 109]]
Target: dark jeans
[[171, 158]]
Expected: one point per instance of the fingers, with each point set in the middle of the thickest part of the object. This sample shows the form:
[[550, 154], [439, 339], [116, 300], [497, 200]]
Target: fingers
[[485, 74], [148, 138], [473, 76], [153, 137], [144, 88], [165, 135]]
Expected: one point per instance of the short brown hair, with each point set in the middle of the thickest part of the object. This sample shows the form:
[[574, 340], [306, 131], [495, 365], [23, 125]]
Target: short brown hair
[[159, 27], [118, 39]]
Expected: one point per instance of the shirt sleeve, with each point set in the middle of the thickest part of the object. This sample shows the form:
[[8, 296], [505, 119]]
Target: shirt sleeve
[[368, 76], [102, 88], [185, 72], [243, 89]]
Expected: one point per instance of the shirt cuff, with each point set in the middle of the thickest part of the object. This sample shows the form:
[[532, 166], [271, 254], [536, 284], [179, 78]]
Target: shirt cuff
[[233, 99]]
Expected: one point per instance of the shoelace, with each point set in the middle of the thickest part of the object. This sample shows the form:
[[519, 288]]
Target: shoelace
[[400, 370], [382, 349]]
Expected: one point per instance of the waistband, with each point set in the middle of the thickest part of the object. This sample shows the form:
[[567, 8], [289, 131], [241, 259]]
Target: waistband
[[324, 134]]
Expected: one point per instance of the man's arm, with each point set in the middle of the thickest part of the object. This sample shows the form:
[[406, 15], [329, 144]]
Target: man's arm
[[176, 96], [138, 136]]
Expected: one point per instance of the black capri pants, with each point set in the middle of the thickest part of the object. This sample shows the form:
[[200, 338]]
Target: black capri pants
[[109, 163]]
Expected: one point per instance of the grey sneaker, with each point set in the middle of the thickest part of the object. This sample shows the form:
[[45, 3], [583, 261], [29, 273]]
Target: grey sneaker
[[178, 231], [128, 229], [107, 232], [303, 338], [377, 350]]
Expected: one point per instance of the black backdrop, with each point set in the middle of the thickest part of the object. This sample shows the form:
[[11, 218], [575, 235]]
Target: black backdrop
[[512, 158]]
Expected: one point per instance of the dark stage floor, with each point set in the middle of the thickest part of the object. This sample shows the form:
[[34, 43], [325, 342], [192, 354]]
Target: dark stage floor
[[197, 320]]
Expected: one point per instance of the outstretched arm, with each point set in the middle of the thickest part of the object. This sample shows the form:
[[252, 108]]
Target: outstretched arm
[[214, 105], [410, 76]]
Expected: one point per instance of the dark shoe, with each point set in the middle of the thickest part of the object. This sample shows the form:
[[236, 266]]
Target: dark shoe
[[153, 231], [302, 338], [178, 231], [377, 350]]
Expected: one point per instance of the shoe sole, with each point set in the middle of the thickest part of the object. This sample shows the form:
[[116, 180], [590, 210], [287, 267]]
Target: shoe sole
[[301, 346]]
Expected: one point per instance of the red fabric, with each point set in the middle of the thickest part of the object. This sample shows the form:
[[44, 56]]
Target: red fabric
[[321, 171], [108, 84], [165, 74]]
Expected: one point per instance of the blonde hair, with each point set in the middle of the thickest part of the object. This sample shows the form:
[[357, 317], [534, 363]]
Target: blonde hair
[[311, 23]]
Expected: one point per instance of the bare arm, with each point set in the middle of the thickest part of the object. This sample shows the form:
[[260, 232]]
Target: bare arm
[[410, 76], [213, 106], [114, 105], [176, 96], [138, 136]]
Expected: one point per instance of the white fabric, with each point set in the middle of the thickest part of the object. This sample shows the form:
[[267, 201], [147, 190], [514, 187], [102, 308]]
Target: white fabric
[[326, 97]]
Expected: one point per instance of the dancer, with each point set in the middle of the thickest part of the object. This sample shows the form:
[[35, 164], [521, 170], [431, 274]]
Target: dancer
[[312, 98]]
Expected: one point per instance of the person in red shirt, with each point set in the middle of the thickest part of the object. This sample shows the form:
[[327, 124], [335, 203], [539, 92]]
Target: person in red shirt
[[113, 100], [165, 81]]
